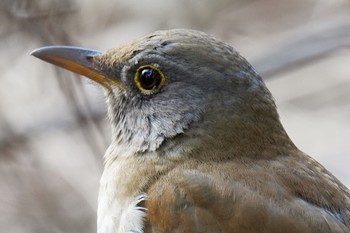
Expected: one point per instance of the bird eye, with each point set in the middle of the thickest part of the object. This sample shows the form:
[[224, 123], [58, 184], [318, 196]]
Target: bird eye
[[149, 79]]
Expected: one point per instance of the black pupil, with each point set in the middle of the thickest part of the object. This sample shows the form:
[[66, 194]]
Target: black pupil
[[149, 78]]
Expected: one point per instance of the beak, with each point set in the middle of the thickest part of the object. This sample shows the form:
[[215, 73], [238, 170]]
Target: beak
[[77, 60]]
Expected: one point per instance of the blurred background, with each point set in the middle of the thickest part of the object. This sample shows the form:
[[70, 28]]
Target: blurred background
[[53, 128]]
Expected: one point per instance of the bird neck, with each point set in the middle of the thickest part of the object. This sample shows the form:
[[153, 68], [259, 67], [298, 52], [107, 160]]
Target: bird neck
[[250, 129]]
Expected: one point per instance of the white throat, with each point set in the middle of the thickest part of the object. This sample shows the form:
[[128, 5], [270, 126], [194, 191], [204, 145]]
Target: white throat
[[119, 198], [125, 179]]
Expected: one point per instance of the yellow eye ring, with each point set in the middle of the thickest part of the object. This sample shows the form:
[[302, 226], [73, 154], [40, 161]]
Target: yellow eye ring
[[149, 79]]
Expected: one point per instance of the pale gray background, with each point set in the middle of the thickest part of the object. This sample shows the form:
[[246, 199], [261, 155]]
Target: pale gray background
[[53, 128]]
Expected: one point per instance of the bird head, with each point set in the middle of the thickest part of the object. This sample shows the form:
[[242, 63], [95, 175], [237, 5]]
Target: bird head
[[176, 84]]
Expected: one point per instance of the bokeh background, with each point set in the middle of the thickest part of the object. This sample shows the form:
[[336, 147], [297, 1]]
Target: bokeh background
[[53, 128]]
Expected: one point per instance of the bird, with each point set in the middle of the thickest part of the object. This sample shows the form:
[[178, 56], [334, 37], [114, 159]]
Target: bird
[[197, 143]]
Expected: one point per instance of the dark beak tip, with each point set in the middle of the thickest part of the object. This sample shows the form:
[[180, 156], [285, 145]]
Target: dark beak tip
[[35, 52], [43, 51]]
